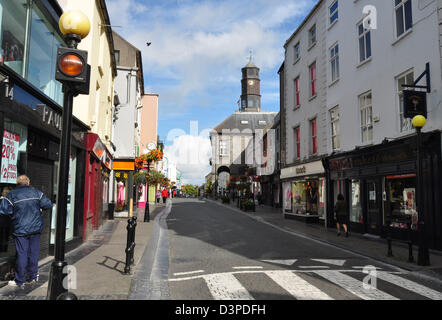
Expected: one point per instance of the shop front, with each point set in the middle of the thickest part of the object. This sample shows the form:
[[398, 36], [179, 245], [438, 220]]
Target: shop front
[[31, 127], [379, 184], [123, 186], [96, 190], [304, 192]]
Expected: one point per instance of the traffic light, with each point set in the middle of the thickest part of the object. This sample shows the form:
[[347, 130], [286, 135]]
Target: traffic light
[[72, 66], [415, 103]]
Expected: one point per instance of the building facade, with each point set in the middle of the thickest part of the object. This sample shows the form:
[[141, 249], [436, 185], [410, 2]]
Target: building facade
[[305, 118], [96, 110], [372, 51], [129, 88], [30, 118], [235, 140]]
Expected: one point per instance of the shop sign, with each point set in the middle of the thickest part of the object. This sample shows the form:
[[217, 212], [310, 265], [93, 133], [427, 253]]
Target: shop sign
[[303, 170], [49, 116], [11, 144]]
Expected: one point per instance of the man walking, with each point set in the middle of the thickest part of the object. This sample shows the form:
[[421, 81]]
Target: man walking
[[24, 204]]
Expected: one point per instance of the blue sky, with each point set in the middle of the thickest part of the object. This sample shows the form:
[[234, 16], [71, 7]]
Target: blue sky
[[197, 52]]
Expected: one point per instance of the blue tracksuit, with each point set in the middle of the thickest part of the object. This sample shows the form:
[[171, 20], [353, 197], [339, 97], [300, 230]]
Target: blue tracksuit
[[24, 205]]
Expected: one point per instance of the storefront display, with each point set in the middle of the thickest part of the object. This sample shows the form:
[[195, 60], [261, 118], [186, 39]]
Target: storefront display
[[401, 201]]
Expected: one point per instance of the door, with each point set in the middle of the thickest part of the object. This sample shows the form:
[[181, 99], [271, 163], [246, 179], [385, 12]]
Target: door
[[40, 172], [373, 221]]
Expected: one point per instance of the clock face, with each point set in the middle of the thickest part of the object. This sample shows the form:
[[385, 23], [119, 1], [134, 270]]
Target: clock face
[[151, 146], [251, 82]]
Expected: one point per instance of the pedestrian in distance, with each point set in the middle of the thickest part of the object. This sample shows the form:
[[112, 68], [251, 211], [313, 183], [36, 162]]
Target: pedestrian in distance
[[24, 205], [341, 215], [165, 195], [158, 196]]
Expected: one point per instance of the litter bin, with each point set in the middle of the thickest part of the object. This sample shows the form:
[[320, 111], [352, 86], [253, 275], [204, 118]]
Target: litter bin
[[111, 210]]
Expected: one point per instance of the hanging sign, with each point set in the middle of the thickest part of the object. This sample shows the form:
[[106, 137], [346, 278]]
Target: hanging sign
[[415, 104], [11, 142]]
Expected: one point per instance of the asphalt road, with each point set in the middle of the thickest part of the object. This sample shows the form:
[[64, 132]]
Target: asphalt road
[[218, 253]]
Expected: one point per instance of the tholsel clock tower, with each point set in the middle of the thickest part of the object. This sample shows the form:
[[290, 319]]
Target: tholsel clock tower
[[251, 92]]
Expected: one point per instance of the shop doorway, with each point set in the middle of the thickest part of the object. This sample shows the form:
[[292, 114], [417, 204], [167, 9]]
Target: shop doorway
[[40, 172], [373, 221]]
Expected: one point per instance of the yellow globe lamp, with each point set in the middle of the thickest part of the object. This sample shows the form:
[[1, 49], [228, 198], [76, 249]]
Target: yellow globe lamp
[[419, 121], [74, 22]]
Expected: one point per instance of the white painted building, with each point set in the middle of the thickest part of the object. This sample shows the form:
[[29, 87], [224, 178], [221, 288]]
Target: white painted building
[[365, 52]]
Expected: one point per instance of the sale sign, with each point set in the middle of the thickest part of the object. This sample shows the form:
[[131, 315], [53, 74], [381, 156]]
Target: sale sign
[[11, 142]]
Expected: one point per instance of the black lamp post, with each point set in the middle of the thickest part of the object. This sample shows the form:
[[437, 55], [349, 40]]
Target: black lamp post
[[423, 253], [146, 209], [72, 70]]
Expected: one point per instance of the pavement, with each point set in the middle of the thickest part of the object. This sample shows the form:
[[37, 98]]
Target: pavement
[[364, 245], [99, 263]]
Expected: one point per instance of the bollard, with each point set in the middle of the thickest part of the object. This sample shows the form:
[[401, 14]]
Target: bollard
[[390, 251], [134, 225], [129, 245]]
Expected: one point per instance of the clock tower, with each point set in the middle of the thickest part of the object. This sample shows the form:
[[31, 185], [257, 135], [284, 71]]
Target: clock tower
[[250, 92]]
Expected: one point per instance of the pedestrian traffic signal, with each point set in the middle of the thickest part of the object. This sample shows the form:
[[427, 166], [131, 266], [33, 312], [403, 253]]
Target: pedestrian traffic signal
[[72, 66]]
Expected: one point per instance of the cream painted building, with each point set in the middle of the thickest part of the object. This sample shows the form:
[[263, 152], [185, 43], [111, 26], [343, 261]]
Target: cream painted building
[[96, 109]]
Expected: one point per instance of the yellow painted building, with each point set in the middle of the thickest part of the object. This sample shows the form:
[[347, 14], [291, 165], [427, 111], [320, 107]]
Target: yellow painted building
[[95, 109]]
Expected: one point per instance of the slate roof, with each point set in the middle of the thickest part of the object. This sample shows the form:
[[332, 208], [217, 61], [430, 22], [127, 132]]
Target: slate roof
[[235, 121]]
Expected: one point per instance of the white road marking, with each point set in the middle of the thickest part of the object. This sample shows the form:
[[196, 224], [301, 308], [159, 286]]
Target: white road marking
[[225, 286], [187, 273], [354, 286], [296, 286], [363, 267], [284, 262], [333, 262], [247, 267], [410, 285], [313, 267]]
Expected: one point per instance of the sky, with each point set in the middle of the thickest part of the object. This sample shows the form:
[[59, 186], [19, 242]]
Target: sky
[[194, 62]]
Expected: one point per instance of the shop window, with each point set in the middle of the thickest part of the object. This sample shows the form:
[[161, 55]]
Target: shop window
[[14, 143], [12, 35], [400, 201], [322, 198], [306, 197], [44, 42], [355, 205]]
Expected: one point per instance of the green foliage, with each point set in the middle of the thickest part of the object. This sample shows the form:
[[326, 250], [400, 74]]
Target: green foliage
[[152, 177]]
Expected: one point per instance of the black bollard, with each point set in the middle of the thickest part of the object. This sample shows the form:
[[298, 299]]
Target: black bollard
[[134, 225], [410, 241], [128, 246]]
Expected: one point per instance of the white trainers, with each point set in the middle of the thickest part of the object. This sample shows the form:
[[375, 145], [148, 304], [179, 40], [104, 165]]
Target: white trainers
[[14, 284], [33, 281]]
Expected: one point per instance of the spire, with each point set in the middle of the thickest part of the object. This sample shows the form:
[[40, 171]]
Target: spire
[[251, 64]]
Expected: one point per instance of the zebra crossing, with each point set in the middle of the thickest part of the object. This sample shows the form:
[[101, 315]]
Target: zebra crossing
[[315, 285]]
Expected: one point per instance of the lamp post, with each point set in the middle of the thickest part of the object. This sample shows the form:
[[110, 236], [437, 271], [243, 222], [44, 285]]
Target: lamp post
[[146, 208], [72, 72], [423, 253]]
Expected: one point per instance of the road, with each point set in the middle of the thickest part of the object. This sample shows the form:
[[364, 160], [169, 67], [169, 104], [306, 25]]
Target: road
[[219, 253]]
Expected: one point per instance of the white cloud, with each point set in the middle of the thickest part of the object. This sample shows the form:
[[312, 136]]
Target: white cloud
[[191, 155], [202, 45]]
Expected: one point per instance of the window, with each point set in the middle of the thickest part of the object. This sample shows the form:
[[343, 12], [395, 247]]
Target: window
[[335, 129], [117, 56], [334, 62], [365, 102], [405, 123], [312, 36], [298, 142], [334, 15], [223, 148], [13, 31], [297, 51], [313, 91], [297, 93], [404, 16], [364, 43], [314, 136], [355, 205], [400, 201]]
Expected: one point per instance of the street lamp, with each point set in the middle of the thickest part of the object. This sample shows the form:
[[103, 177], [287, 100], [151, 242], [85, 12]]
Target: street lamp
[[74, 73], [423, 253]]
